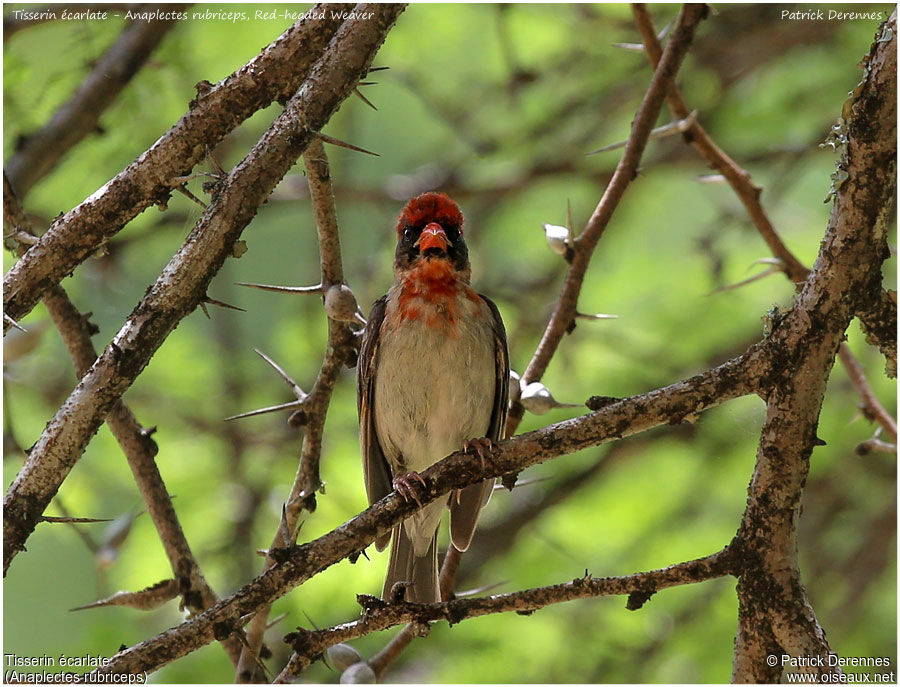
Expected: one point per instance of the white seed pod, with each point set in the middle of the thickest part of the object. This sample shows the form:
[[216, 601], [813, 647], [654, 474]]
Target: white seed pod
[[342, 656], [341, 305], [557, 238], [358, 674], [537, 399], [515, 390]]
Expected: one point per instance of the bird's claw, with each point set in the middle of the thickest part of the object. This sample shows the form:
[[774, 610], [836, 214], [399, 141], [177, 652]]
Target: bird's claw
[[408, 486], [480, 447]]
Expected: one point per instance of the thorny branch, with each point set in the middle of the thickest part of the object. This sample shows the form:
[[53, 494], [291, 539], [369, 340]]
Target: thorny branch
[[340, 351], [273, 75], [673, 404], [739, 179], [378, 615], [749, 194], [566, 306], [182, 284], [136, 441], [773, 606]]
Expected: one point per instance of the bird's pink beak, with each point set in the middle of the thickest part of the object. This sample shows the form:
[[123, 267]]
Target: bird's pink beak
[[433, 236]]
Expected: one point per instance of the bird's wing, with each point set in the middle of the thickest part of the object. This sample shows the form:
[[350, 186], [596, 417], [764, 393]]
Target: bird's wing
[[467, 504], [376, 471], [501, 375]]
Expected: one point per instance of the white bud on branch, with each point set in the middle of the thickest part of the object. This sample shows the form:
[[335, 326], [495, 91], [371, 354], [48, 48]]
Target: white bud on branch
[[343, 656], [358, 674], [537, 399], [557, 238], [341, 305]]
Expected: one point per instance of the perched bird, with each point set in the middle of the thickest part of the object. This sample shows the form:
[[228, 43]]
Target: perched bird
[[433, 378]]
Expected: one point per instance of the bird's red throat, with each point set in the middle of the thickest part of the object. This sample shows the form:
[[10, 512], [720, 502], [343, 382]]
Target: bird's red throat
[[432, 290]]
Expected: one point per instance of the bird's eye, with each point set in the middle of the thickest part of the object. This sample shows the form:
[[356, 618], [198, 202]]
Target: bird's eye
[[452, 233], [409, 233]]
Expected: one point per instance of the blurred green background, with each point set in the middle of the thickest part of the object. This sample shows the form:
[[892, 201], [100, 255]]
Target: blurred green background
[[496, 105]]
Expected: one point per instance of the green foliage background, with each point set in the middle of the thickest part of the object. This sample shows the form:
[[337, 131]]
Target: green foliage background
[[496, 105]]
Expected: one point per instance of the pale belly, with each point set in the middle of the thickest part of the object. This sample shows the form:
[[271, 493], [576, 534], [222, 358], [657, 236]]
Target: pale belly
[[433, 391]]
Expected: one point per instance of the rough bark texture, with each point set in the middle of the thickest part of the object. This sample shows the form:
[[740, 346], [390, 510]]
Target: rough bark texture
[[774, 609], [275, 74], [789, 368], [182, 284]]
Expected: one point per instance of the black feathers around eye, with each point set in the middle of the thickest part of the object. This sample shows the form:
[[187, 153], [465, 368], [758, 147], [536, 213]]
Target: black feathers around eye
[[407, 252]]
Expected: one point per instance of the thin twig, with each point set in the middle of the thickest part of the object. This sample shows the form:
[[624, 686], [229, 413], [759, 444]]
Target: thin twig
[[749, 194], [340, 344], [136, 442], [567, 304], [740, 180], [275, 74], [871, 406], [378, 615]]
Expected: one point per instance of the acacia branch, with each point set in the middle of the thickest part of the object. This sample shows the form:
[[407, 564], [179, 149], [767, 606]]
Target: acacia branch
[[43, 149], [183, 282], [670, 405], [749, 194], [583, 248], [379, 615], [847, 272], [738, 178], [339, 351], [136, 442], [275, 74]]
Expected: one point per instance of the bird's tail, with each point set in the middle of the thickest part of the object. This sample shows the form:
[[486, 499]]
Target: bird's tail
[[419, 571]]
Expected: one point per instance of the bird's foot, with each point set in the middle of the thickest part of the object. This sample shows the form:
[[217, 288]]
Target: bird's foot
[[481, 447], [409, 485]]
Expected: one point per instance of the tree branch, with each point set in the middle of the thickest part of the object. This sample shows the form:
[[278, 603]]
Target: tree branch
[[275, 74], [183, 282], [773, 602], [670, 405], [749, 194], [379, 615], [871, 406], [339, 351], [566, 306], [738, 178], [136, 441]]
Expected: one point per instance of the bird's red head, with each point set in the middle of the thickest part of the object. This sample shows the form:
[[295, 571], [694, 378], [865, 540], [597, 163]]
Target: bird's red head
[[430, 207], [431, 227]]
